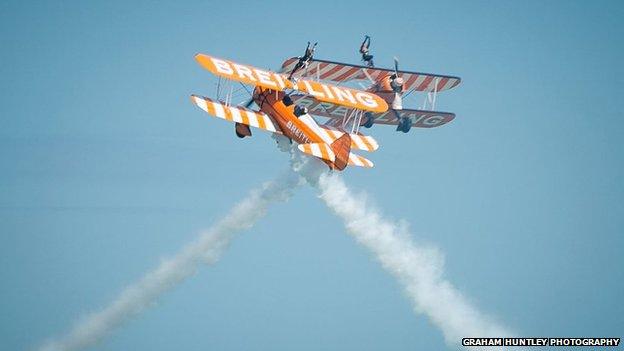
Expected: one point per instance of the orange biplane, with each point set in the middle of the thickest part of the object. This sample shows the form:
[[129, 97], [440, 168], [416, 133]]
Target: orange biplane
[[285, 105]]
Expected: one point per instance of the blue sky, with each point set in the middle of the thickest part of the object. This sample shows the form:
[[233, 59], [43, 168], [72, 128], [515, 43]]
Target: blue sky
[[107, 167]]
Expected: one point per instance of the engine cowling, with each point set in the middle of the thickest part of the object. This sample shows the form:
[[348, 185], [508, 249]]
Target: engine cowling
[[396, 84], [391, 90]]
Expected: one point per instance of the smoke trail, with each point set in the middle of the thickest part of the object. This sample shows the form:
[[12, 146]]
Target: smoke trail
[[207, 248], [419, 269]]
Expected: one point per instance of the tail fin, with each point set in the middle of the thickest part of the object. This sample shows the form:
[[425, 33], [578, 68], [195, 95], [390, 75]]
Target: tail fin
[[341, 148]]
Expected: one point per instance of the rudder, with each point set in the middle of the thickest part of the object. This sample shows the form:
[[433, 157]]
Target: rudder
[[341, 148]]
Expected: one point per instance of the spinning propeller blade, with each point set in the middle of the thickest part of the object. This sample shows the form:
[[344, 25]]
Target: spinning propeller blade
[[396, 66], [397, 86], [249, 103]]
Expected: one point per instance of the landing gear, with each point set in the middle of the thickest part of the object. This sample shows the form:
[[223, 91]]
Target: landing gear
[[405, 124], [242, 130], [368, 120]]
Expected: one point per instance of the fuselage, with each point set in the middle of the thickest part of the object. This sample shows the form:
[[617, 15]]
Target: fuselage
[[301, 129]]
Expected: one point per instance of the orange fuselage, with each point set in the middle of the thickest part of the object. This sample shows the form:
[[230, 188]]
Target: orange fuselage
[[271, 102]]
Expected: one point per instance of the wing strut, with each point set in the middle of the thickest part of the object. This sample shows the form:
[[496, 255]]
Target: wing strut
[[352, 119], [430, 98], [218, 88]]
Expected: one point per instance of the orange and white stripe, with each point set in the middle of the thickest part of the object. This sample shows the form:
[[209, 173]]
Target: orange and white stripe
[[343, 72], [339, 95], [320, 150], [357, 160], [235, 114], [330, 134], [358, 141]]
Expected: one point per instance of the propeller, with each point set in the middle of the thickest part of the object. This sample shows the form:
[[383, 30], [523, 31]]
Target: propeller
[[396, 83], [249, 103], [396, 66]]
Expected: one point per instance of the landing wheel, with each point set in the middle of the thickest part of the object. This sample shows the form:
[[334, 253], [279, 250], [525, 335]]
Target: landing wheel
[[404, 125], [407, 126], [242, 130], [369, 120]]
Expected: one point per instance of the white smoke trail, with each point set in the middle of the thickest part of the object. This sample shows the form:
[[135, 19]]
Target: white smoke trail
[[207, 248], [418, 268]]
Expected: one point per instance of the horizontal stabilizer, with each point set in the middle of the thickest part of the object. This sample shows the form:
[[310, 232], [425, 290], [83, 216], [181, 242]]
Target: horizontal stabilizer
[[357, 160], [235, 114], [320, 150], [358, 141]]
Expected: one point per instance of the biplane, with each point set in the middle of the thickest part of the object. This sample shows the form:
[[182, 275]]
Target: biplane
[[390, 84], [285, 105]]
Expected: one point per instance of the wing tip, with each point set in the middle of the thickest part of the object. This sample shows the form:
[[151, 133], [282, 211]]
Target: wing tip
[[195, 97]]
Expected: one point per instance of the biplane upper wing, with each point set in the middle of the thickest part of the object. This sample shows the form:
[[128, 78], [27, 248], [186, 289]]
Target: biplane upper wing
[[236, 114], [344, 72], [344, 96], [420, 118]]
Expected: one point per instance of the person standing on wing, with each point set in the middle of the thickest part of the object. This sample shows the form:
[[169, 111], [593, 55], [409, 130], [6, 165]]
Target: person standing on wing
[[304, 60], [366, 57]]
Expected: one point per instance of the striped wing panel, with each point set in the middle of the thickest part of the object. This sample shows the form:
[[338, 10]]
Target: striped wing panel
[[420, 118], [235, 114], [357, 160], [346, 96], [329, 134], [343, 72], [320, 150], [358, 141]]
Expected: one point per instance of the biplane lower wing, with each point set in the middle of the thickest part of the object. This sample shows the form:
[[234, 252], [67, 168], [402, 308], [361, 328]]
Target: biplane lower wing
[[236, 114], [420, 118], [343, 72]]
